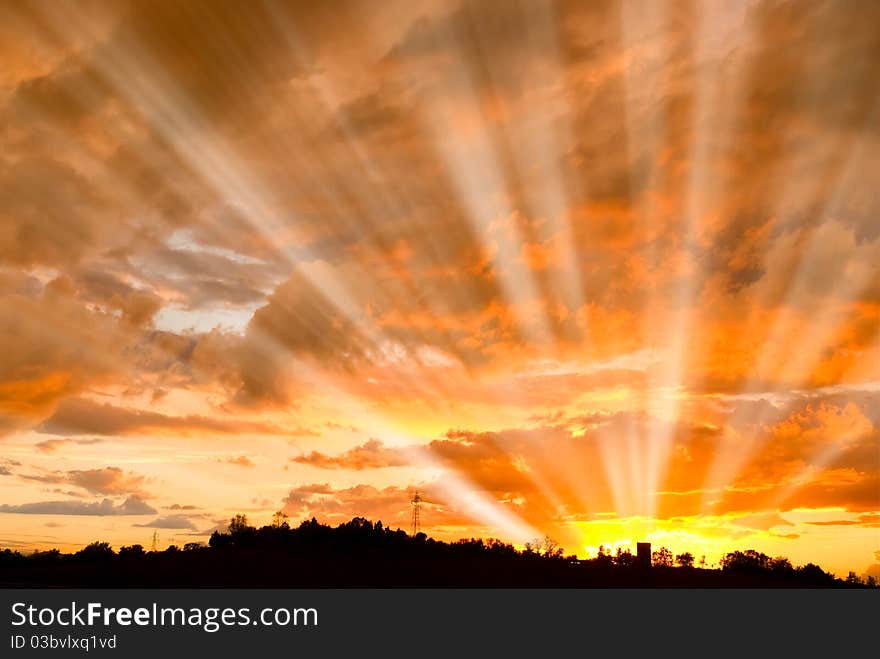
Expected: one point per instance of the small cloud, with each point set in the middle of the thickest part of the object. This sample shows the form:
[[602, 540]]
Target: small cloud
[[870, 520], [131, 506], [331, 425], [240, 461], [762, 521], [83, 416], [170, 522], [5, 466], [52, 445], [369, 455], [109, 480], [303, 432]]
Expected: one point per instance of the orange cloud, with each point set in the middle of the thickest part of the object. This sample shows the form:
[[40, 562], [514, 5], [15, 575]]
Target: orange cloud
[[372, 454], [85, 417], [590, 262]]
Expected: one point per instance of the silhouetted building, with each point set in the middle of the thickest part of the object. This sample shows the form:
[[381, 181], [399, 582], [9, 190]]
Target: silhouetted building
[[643, 554]]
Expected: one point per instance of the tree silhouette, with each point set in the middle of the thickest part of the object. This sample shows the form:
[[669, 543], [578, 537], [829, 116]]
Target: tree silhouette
[[603, 558], [545, 546], [624, 558], [662, 557], [48, 556], [813, 574], [131, 551], [552, 549], [359, 553], [781, 566], [238, 523], [96, 551], [748, 561]]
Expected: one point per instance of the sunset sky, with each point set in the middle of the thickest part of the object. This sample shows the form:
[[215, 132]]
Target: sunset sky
[[603, 271]]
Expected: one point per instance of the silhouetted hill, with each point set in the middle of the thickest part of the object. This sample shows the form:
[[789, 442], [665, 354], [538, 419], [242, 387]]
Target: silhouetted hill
[[362, 554]]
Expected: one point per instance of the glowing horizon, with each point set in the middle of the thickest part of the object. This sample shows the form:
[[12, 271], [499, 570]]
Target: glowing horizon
[[606, 272]]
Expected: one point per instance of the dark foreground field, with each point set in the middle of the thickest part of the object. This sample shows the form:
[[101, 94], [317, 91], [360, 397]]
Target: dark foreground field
[[362, 554]]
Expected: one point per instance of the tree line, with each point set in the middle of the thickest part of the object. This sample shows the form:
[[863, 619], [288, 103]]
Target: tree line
[[361, 552]]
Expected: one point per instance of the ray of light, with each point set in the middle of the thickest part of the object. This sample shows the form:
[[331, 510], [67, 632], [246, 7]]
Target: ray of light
[[711, 114], [220, 167], [794, 360], [456, 487], [467, 142], [216, 164]]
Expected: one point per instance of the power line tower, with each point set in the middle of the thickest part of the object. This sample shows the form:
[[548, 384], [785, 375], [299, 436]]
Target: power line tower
[[155, 544], [416, 510]]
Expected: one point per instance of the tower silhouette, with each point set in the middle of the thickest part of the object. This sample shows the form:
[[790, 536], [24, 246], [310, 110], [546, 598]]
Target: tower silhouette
[[416, 510]]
